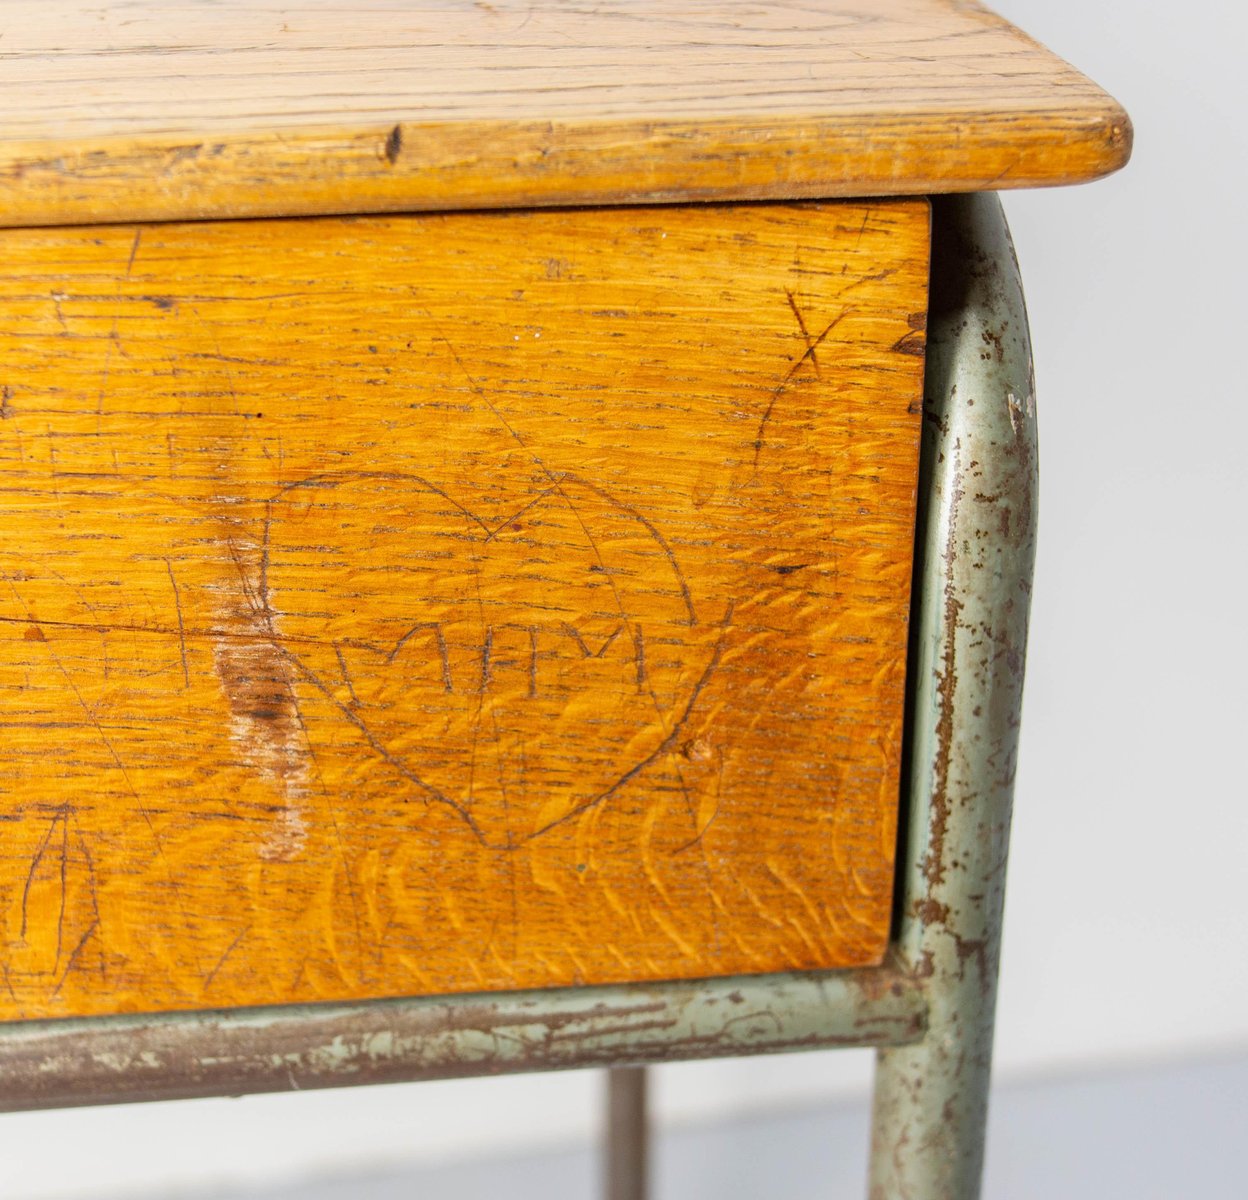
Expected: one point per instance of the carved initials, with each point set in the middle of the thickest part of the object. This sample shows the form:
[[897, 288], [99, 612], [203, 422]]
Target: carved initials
[[544, 644]]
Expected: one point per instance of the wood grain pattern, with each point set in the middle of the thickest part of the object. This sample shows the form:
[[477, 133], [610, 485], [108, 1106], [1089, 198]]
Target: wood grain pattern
[[150, 110], [428, 604]]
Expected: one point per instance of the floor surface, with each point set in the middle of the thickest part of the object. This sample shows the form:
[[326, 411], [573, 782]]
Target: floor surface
[[1159, 1134]]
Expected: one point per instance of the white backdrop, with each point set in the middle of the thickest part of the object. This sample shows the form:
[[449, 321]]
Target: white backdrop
[[1126, 928]]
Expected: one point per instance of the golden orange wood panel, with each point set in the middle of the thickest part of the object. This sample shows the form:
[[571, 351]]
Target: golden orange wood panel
[[152, 110], [427, 604]]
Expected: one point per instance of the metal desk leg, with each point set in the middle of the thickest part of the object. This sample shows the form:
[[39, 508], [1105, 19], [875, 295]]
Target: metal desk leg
[[976, 545], [627, 1141]]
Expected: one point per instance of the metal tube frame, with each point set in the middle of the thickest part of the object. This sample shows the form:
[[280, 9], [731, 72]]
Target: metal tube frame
[[627, 1157], [975, 550], [929, 1007]]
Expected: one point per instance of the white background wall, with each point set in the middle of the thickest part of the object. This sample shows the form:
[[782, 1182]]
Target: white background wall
[[1126, 927], [1126, 934]]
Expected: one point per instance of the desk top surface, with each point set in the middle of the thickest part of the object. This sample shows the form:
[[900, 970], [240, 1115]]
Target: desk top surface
[[145, 109]]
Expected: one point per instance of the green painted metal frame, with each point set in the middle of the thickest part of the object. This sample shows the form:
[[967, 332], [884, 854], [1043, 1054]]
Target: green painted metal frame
[[46, 1064], [929, 1007], [975, 551]]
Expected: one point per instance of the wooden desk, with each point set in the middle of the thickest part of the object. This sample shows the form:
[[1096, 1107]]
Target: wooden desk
[[489, 570]]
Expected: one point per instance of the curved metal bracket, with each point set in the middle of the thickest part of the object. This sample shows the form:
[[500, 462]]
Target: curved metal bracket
[[975, 553]]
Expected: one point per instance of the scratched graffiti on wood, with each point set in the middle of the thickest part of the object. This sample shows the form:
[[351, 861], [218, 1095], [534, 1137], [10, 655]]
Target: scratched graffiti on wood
[[429, 604], [461, 637]]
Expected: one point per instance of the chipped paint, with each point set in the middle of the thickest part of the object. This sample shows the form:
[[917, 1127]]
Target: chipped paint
[[266, 726], [975, 552], [1024, 409], [238, 1051]]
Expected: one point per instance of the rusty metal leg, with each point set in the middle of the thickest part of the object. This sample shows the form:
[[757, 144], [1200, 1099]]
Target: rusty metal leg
[[627, 1157], [973, 583]]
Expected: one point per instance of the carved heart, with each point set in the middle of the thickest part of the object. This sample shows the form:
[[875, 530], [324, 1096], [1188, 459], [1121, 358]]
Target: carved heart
[[517, 669]]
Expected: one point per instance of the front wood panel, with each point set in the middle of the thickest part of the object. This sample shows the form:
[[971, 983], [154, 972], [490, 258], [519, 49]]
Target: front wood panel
[[432, 604]]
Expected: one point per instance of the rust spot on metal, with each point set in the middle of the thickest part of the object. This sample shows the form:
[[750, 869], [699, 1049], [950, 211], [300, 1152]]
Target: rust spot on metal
[[995, 338], [976, 948], [386, 1041], [975, 582], [931, 912], [934, 865]]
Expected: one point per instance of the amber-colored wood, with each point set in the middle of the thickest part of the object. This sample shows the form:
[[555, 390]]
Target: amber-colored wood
[[427, 604], [150, 110]]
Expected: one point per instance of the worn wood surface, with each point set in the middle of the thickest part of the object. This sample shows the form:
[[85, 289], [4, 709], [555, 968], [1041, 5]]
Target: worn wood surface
[[427, 604], [150, 110]]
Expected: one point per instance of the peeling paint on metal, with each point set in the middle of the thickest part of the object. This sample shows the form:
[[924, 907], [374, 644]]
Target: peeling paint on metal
[[975, 553], [237, 1051]]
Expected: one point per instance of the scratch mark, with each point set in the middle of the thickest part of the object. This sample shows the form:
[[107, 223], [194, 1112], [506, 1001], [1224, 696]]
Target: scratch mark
[[99, 399], [57, 299], [808, 355], [177, 603], [439, 637], [221, 961], [719, 800], [645, 523], [346, 675], [866, 217], [60, 815], [480, 392], [558, 479], [487, 650], [561, 483], [574, 634], [664, 746], [476, 721], [95, 724], [333, 820], [583, 646], [532, 662], [491, 534], [265, 722], [610, 639], [801, 324], [134, 250], [8, 984], [73, 958], [374, 743], [60, 915]]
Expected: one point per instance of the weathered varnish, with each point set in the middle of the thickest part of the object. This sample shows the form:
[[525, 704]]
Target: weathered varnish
[[427, 604], [150, 110]]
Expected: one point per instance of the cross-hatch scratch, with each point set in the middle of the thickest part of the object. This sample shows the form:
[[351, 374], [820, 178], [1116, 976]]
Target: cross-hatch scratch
[[810, 354]]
